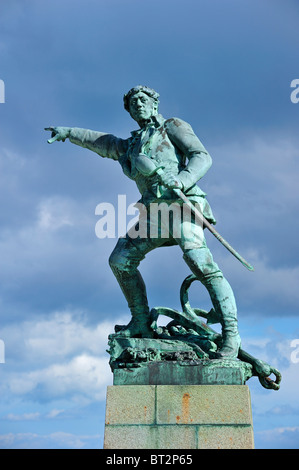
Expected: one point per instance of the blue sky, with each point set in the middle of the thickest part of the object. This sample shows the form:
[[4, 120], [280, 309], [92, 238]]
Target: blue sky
[[226, 68]]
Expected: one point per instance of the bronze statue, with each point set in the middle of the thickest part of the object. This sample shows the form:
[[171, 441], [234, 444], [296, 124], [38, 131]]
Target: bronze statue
[[166, 160]]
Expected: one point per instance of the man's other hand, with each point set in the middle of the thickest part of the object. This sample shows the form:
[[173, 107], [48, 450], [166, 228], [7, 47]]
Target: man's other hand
[[171, 181]]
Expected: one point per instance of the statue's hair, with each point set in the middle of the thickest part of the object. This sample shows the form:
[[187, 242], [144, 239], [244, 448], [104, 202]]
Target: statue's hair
[[144, 89]]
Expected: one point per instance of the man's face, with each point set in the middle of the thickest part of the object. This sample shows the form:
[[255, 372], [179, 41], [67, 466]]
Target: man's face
[[142, 107]]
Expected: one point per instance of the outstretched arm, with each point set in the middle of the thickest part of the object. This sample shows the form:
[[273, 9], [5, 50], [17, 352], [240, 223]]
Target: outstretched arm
[[105, 145]]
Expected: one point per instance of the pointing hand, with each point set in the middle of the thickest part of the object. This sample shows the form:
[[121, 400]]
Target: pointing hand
[[58, 133]]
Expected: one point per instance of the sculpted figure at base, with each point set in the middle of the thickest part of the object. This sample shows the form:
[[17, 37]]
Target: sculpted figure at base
[[172, 146]]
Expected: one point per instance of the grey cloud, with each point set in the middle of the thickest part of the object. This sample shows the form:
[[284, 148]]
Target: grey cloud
[[227, 71]]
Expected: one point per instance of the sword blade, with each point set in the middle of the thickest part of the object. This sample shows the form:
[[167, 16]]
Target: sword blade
[[219, 237]]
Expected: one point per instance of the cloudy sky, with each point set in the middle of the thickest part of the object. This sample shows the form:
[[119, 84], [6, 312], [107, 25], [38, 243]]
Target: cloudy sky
[[226, 67]]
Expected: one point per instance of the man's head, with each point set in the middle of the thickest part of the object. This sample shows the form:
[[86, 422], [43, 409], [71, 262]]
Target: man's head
[[142, 103]]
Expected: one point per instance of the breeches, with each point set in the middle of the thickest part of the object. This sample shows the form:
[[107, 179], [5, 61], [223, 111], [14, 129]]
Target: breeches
[[156, 232], [189, 235]]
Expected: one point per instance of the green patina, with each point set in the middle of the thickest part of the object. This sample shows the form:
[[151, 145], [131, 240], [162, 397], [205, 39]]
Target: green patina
[[166, 160]]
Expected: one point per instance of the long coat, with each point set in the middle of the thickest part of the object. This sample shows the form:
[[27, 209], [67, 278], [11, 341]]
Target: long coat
[[171, 143]]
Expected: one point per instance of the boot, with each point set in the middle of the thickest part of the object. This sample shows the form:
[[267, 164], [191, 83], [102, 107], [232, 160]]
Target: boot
[[224, 303], [133, 287], [207, 271], [138, 327], [231, 341]]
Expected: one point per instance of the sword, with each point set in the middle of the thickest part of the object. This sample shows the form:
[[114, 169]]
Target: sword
[[147, 167]]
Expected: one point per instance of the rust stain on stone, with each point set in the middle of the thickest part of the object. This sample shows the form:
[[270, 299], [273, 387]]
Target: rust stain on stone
[[186, 408], [108, 418]]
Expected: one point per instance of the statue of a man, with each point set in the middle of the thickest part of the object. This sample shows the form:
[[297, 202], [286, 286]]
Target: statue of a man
[[172, 144]]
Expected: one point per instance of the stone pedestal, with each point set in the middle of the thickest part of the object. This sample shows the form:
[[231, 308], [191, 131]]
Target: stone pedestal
[[178, 417], [199, 372], [168, 394]]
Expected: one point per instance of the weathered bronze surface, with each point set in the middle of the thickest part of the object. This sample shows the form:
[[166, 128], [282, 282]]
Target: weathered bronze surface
[[166, 160]]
